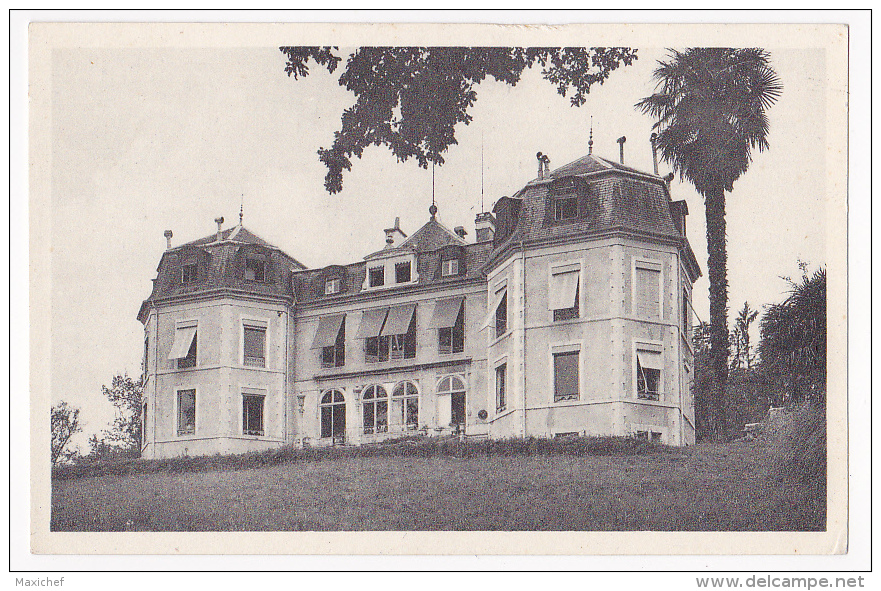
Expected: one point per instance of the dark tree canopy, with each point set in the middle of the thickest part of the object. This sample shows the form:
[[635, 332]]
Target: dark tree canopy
[[410, 99], [124, 438]]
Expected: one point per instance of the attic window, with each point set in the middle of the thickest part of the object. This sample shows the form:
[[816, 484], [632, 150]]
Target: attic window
[[450, 267], [332, 286], [255, 269], [565, 208], [188, 273], [377, 277], [402, 272]]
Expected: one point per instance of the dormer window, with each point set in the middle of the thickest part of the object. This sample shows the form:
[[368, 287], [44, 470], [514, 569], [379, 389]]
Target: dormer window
[[402, 272], [565, 208], [377, 277], [332, 286], [255, 269], [188, 273], [450, 267]]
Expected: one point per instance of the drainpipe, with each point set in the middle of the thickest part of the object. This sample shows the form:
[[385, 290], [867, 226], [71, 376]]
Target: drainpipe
[[523, 308], [155, 373]]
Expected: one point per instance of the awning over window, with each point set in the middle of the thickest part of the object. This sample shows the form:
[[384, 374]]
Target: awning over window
[[564, 287], [490, 319], [445, 313], [371, 323], [650, 360], [183, 338], [398, 321], [328, 329]]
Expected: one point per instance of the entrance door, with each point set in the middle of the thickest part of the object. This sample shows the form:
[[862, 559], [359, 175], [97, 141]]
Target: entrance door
[[457, 408]]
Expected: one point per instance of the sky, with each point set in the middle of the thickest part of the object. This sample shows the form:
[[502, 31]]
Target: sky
[[145, 140]]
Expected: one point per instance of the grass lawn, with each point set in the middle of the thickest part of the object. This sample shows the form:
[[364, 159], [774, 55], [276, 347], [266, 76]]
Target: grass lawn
[[704, 487]]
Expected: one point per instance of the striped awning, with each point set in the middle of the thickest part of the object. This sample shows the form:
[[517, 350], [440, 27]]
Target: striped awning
[[328, 329], [446, 312]]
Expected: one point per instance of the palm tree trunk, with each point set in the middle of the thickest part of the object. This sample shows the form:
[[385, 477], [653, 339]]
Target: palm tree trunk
[[717, 269]]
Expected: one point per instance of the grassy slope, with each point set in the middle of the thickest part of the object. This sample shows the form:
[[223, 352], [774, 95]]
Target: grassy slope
[[704, 487]]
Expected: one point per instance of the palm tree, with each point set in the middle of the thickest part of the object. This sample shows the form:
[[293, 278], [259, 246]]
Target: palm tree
[[740, 337], [709, 105]]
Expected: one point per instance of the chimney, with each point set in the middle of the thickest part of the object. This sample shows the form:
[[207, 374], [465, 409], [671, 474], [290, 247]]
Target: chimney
[[621, 141], [168, 234], [547, 163], [392, 234], [460, 231], [539, 156], [669, 179], [654, 141], [485, 227], [219, 222]]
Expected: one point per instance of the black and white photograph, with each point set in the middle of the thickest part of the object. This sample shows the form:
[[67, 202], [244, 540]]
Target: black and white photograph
[[383, 288]]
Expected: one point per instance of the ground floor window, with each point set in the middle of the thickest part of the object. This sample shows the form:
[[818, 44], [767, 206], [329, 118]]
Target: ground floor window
[[333, 415], [501, 387], [566, 376], [186, 412], [252, 414], [375, 410], [405, 405]]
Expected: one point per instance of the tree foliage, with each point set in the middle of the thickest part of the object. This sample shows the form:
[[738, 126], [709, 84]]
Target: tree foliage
[[740, 338], [710, 109], [124, 437], [410, 99], [65, 424], [793, 341]]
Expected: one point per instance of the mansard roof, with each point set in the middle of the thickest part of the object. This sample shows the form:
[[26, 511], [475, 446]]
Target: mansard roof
[[610, 197]]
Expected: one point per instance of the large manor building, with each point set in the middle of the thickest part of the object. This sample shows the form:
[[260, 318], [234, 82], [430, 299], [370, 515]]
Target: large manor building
[[568, 313]]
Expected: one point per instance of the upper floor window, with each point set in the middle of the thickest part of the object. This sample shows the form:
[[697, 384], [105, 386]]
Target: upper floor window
[[397, 337], [566, 375], [647, 291], [648, 374], [332, 286], [449, 319], [450, 267], [402, 272], [255, 269], [183, 350], [186, 412], [189, 273], [565, 208], [254, 343], [502, 315], [331, 338], [563, 293], [377, 276]]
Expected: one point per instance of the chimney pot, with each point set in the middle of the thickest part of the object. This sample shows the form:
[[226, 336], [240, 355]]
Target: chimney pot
[[219, 222], [460, 231], [168, 234], [621, 141], [540, 157]]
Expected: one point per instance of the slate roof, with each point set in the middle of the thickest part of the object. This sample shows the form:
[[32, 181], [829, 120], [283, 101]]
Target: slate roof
[[611, 196]]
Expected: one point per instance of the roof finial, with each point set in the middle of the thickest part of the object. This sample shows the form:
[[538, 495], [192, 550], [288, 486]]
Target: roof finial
[[433, 209], [590, 141], [242, 209]]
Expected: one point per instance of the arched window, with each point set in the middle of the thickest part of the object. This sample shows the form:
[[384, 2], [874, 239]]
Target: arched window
[[454, 387], [333, 415], [375, 402], [405, 406]]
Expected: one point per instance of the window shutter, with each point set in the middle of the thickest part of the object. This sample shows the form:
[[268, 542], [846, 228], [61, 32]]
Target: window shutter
[[647, 292]]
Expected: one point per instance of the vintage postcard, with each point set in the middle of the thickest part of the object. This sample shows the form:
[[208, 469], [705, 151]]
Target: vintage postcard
[[438, 289]]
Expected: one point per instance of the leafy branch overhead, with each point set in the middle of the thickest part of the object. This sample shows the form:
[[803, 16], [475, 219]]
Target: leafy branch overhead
[[410, 99]]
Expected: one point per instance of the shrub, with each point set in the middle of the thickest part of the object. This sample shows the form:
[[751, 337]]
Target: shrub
[[798, 443], [425, 447]]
